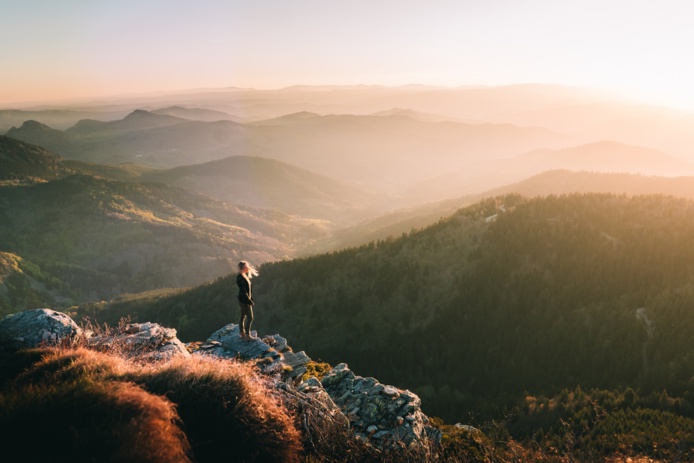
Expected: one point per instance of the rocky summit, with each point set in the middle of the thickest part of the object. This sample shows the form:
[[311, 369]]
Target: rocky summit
[[34, 328], [379, 414]]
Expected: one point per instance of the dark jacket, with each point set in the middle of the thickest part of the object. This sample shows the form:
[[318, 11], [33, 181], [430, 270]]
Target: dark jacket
[[245, 294]]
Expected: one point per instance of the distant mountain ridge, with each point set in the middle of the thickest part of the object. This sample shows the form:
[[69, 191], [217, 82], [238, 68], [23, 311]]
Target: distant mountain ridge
[[586, 115], [57, 118], [424, 117], [40, 134], [608, 156], [271, 184], [136, 120], [379, 153], [604, 156], [195, 114]]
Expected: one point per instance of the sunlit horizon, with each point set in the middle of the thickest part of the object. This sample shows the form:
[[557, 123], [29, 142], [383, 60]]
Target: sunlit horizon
[[80, 50], [68, 100]]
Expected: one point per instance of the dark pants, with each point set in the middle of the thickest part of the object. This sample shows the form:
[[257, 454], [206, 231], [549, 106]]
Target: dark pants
[[246, 318]]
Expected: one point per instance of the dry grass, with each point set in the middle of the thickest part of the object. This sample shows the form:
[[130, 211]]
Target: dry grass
[[229, 412], [87, 421], [222, 408]]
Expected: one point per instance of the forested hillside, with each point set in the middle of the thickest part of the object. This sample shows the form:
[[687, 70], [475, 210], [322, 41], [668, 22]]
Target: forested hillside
[[505, 297], [73, 231], [553, 182], [96, 238]]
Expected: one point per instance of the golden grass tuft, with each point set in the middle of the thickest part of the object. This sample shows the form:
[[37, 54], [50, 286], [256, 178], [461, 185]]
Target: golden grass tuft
[[88, 421], [227, 409], [221, 407]]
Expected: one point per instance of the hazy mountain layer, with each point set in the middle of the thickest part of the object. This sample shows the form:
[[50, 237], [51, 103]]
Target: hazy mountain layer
[[604, 156], [587, 115], [58, 118], [195, 114], [271, 184], [382, 153]]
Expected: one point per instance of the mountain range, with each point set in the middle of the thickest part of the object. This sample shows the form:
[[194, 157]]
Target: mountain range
[[270, 184], [100, 237], [499, 251], [260, 208], [585, 114], [380, 153], [599, 157], [432, 144]]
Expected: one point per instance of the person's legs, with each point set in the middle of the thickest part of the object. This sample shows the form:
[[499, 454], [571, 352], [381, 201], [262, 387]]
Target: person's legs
[[244, 324], [249, 320]]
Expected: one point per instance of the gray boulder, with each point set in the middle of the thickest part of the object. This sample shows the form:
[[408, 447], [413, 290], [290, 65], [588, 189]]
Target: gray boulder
[[34, 328], [143, 341]]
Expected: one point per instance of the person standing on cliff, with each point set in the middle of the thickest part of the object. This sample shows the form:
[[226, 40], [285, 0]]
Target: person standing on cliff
[[243, 280]]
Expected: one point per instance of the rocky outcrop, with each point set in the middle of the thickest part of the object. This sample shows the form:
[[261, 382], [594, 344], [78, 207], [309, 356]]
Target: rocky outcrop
[[273, 352], [144, 341], [378, 414], [46, 327], [33, 328], [227, 342]]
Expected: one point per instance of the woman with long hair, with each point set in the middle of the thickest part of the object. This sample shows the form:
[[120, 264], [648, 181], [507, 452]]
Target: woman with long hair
[[243, 280]]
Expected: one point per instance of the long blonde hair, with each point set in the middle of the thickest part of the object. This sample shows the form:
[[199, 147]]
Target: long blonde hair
[[252, 271]]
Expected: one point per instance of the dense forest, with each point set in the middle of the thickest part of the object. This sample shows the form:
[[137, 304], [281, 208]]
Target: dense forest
[[503, 298]]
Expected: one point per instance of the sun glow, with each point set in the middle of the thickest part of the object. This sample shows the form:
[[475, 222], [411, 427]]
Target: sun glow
[[83, 49]]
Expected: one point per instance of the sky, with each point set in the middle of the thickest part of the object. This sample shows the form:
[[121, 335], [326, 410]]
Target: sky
[[59, 50]]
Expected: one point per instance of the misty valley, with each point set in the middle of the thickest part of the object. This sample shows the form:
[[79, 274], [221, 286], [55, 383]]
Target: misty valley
[[521, 258]]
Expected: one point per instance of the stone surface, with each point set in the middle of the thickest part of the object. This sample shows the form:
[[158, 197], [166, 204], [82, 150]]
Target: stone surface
[[277, 342], [280, 359], [229, 338], [378, 412], [33, 328], [296, 361], [146, 341]]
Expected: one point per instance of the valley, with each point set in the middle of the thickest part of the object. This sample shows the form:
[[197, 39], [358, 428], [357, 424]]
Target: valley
[[503, 252]]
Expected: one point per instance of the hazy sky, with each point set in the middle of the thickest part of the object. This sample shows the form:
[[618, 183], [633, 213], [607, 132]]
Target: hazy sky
[[76, 48]]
